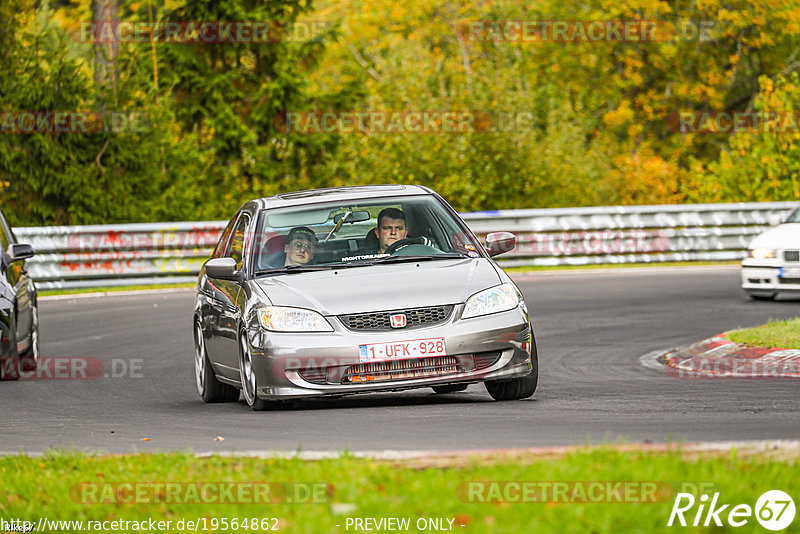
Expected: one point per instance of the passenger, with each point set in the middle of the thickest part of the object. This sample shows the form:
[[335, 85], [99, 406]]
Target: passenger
[[300, 243]]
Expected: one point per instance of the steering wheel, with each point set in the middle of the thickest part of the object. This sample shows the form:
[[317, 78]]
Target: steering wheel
[[397, 245]]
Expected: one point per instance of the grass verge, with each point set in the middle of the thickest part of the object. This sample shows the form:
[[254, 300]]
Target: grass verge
[[111, 289], [781, 334], [323, 495]]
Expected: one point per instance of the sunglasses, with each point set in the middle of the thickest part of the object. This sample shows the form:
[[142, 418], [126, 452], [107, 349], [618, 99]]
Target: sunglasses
[[302, 246]]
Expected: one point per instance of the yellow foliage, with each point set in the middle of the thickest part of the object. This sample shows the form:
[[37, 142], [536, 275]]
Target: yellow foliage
[[645, 178], [620, 116]]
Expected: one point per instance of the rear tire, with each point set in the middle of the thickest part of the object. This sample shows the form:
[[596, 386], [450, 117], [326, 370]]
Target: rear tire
[[13, 367], [29, 361], [761, 297], [450, 388], [517, 388], [210, 389]]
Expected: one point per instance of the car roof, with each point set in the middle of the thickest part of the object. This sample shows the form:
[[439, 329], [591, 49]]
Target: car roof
[[333, 194]]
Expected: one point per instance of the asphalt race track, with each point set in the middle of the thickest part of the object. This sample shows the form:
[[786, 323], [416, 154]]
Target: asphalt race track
[[591, 329]]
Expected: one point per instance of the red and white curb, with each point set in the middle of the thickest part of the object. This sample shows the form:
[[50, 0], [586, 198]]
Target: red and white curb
[[719, 357]]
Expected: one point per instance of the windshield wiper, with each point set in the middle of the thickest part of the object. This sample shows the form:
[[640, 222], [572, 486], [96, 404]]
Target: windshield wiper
[[294, 269], [401, 259]]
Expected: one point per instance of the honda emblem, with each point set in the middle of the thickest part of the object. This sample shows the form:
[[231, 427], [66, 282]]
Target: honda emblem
[[398, 320]]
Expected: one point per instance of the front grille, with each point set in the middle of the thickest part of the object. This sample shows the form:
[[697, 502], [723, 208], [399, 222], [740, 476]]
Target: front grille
[[379, 321], [401, 369], [789, 280], [791, 255]]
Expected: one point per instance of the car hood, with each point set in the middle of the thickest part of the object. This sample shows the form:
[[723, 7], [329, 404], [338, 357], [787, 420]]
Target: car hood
[[782, 236], [382, 287]]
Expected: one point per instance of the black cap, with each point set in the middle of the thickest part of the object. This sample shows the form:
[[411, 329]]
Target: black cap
[[301, 232]]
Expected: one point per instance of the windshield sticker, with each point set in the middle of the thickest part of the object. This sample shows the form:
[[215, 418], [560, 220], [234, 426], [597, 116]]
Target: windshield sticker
[[365, 257]]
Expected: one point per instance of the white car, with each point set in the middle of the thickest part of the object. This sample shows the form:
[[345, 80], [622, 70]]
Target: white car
[[772, 264]]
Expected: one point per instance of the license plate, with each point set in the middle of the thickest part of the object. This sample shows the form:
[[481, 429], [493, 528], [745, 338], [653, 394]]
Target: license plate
[[789, 272], [401, 350]]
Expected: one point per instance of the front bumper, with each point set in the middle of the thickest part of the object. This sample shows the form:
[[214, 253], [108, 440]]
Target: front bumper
[[292, 366], [768, 277]]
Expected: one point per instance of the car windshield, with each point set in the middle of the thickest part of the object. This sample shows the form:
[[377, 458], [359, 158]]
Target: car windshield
[[794, 217], [348, 233]]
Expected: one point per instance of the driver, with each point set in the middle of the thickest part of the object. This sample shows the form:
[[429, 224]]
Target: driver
[[391, 228], [300, 243]]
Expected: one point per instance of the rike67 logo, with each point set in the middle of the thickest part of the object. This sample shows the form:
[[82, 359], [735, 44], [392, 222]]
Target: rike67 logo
[[774, 510]]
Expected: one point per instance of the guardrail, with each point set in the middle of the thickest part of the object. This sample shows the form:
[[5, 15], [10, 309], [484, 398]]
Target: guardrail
[[161, 253]]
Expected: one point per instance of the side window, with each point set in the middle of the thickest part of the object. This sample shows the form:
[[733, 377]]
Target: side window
[[236, 250], [223, 240]]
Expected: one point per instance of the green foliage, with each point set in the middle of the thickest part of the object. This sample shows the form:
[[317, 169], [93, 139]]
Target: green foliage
[[597, 126]]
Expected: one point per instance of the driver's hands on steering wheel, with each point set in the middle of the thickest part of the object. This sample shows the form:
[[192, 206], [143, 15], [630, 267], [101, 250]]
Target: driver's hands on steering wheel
[[400, 243], [427, 242]]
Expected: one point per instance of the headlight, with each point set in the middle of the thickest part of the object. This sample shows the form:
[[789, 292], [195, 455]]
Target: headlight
[[493, 300], [762, 253], [280, 319]]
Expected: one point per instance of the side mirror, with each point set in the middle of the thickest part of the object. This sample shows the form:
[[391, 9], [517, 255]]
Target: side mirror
[[500, 242], [774, 219], [224, 268], [20, 252]]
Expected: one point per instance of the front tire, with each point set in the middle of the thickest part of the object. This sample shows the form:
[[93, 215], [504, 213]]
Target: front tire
[[247, 376], [517, 388], [762, 296], [209, 388]]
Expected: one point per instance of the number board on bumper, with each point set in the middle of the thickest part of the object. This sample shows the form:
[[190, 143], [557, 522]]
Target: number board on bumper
[[401, 350]]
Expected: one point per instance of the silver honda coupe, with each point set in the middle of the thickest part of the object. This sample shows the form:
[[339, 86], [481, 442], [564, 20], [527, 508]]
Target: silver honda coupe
[[348, 290]]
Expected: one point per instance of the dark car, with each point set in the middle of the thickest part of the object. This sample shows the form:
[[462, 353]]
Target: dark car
[[19, 319], [358, 289]]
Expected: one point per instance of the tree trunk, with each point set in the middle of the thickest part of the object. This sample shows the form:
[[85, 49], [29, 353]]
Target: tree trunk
[[106, 73]]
